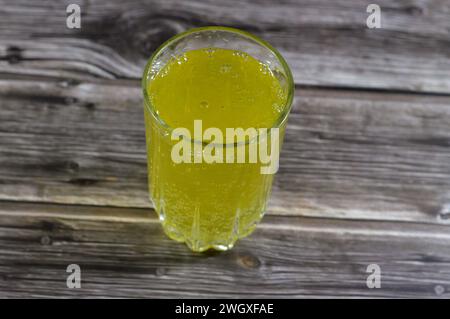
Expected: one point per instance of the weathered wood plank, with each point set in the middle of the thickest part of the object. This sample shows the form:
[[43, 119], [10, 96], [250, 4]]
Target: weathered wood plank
[[365, 155], [348, 154], [327, 43], [123, 253]]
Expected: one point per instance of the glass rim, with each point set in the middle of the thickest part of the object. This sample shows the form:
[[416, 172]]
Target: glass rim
[[145, 79]]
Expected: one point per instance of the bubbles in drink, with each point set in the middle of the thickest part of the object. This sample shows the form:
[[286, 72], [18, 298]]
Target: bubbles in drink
[[210, 52], [241, 55], [204, 104], [225, 68], [181, 59]]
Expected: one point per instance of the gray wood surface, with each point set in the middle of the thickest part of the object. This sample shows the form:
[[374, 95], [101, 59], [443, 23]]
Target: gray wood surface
[[347, 154], [326, 42], [365, 169], [123, 253]]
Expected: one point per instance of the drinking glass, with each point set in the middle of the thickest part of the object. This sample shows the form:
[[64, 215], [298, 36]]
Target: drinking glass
[[209, 205]]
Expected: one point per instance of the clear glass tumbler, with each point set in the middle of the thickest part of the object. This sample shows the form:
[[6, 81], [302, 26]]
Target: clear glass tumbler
[[210, 205]]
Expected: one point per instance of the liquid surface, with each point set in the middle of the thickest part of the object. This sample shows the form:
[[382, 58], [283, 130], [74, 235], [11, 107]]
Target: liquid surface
[[210, 205], [224, 88]]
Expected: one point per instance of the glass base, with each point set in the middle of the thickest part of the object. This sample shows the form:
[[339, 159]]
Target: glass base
[[198, 246], [191, 239]]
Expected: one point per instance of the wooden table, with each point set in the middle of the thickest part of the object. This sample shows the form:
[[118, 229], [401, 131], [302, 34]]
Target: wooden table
[[365, 169]]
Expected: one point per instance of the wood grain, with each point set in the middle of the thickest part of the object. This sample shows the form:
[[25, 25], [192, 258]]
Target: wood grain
[[327, 43], [122, 252], [348, 154]]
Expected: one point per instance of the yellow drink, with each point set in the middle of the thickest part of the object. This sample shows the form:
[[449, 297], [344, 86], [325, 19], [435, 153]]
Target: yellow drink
[[210, 205]]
